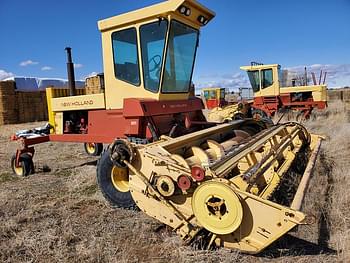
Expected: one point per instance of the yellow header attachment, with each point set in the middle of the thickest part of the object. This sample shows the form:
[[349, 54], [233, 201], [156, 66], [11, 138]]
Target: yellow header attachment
[[150, 53]]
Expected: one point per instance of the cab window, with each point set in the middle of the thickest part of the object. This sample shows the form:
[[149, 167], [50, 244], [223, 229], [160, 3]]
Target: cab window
[[267, 78], [181, 52], [222, 94], [254, 78], [126, 64], [212, 94], [206, 94], [152, 48]]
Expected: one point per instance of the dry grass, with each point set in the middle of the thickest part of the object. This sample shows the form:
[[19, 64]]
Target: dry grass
[[60, 216], [335, 165]]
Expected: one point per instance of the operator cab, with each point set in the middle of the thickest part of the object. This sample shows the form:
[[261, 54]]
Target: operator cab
[[264, 79], [214, 97], [150, 53]]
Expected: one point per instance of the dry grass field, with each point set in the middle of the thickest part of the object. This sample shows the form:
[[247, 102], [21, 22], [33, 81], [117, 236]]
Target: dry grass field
[[60, 216]]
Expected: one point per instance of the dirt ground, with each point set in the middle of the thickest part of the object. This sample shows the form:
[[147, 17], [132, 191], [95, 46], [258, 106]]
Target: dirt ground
[[60, 216]]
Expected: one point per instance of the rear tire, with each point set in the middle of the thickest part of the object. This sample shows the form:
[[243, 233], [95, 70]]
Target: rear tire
[[93, 149], [26, 165], [114, 196]]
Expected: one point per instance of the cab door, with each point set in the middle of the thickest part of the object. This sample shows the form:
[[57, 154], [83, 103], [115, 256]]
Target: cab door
[[255, 81], [269, 86]]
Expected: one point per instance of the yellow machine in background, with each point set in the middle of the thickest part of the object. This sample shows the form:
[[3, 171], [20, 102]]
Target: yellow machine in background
[[213, 97], [270, 95]]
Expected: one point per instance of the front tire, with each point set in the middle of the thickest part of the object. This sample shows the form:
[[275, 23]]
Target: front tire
[[93, 149], [113, 182], [26, 165]]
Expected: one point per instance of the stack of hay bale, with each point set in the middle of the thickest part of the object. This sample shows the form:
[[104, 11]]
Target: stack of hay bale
[[95, 84], [339, 94], [8, 103], [19, 107], [32, 106], [22, 106]]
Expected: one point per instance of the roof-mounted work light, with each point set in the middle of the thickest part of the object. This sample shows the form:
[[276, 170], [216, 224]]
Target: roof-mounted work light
[[185, 10]]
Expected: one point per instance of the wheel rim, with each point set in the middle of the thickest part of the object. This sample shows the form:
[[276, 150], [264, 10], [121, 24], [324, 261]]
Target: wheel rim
[[120, 179], [18, 170], [217, 208], [90, 148]]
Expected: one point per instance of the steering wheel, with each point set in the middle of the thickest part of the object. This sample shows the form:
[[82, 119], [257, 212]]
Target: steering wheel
[[156, 59]]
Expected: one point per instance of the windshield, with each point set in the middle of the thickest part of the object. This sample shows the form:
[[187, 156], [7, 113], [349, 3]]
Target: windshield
[[179, 61], [152, 48], [254, 79]]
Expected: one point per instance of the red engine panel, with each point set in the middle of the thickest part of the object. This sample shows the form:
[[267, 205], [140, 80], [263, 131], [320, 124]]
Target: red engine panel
[[213, 103], [304, 102], [139, 118]]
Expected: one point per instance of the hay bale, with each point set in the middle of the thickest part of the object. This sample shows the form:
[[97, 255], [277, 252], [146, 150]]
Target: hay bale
[[7, 88], [94, 85], [346, 95], [32, 106], [8, 102], [8, 117]]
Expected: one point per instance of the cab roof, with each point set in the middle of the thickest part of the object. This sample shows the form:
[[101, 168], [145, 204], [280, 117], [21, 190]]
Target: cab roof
[[212, 88], [154, 11], [257, 67]]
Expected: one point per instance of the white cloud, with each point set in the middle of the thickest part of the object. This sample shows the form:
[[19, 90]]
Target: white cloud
[[231, 81], [78, 65], [46, 68], [28, 63], [5, 75]]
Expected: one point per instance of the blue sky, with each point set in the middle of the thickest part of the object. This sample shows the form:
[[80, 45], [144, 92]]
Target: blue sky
[[293, 33]]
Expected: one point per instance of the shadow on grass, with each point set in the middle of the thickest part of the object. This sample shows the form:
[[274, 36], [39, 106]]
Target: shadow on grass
[[293, 246], [46, 169]]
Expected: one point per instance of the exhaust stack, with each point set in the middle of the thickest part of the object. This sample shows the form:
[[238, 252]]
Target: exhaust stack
[[70, 72]]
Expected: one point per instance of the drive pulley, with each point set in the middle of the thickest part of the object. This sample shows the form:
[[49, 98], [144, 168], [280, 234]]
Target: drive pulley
[[217, 207]]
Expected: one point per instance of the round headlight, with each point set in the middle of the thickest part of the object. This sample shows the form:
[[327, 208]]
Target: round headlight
[[183, 9]]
